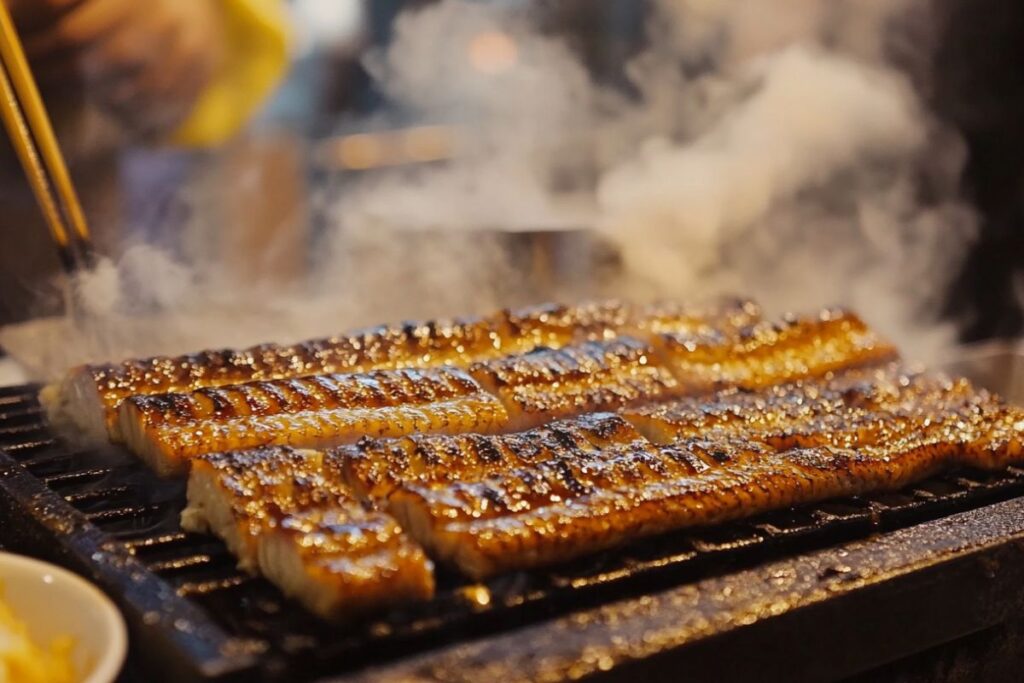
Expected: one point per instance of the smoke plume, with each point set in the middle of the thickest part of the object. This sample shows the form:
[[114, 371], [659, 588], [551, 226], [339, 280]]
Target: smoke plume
[[785, 153]]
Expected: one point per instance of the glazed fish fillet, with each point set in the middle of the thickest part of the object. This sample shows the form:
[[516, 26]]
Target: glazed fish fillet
[[853, 409], [772, 353], [237, 495], [556, 325], [562, 509], [168, 430], [285, 515], [546, 384], [342, 561], [670, 317], [89, 396], [588, 499], [374, 468]]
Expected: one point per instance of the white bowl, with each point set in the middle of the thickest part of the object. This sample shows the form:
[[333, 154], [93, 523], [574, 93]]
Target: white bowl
[[54, 602]]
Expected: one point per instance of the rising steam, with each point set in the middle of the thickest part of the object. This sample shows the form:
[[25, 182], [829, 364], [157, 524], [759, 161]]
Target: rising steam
[[774, 152]]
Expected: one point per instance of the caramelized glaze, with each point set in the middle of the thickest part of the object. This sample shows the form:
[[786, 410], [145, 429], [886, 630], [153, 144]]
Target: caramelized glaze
[[286, 514], [375, 467], [818, 441], [546, 384], [170, 429], [769, 353]]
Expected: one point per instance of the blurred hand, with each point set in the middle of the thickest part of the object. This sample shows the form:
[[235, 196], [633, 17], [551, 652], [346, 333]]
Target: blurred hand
[[144, 61]]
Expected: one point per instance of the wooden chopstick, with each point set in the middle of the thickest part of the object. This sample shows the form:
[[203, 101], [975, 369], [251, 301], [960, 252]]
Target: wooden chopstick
[[21, 140], [32, 136]]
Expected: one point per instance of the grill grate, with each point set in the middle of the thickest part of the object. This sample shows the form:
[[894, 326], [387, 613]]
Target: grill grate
[[130, 505]]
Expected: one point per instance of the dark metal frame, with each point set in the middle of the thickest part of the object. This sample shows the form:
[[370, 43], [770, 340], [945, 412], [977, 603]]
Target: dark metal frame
[[820, 616], [781, 597]]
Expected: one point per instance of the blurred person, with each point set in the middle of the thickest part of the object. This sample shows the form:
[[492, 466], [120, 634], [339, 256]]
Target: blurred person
[[114, 73]]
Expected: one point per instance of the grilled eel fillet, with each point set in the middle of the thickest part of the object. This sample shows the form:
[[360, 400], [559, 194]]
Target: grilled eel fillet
[[236, 495], [375, 468], [583, 499], [283, 514], [88, 397], [767, 353], [546, 384], [169, 430], [525, 390], [670, 317], [860, 407]]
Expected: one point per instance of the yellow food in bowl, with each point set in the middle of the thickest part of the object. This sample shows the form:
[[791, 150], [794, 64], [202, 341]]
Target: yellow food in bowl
[[23, 661]]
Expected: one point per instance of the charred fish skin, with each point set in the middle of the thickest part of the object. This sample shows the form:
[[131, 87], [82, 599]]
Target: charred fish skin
[[89, 396], [849, 409], [508, 506], [771, 353], [342, 561], [374, 468], [163, 374], [508, 331], [430, 343], [538, 516], [237, 495], [556, 325], [374, 389], [581, 501], [671, 317], [286, 514], [553, 511], [860, 409], [546, 384], [170, 430], [410, 344]]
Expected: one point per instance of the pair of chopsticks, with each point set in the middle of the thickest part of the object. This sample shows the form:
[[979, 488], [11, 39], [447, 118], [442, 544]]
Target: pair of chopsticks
[[28, 125]]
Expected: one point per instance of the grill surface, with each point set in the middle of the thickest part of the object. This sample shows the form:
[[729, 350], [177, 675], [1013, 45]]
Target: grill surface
[[194, 616]]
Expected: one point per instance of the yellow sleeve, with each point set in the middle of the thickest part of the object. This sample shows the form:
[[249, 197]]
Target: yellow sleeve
[[256, 35]]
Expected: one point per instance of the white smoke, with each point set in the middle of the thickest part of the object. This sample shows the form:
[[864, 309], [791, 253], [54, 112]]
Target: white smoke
[[774, 151], [798, 177], [810, 116], [802, 191], [524, 104]]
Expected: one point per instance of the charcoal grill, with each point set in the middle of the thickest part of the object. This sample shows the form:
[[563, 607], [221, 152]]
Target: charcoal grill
[[812, 593]]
